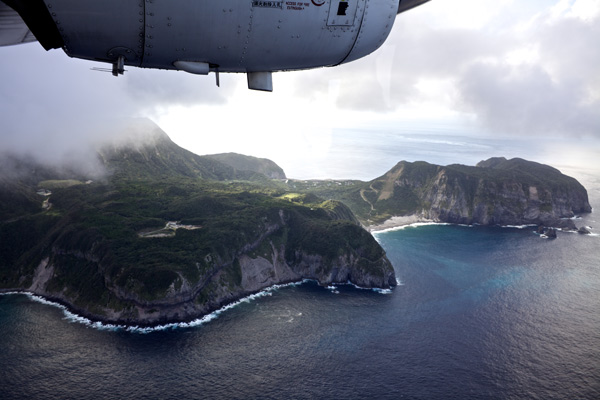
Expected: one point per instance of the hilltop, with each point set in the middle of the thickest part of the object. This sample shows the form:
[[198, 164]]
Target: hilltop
[[159, 234], [164, 235], [248, 164], [494, 192]]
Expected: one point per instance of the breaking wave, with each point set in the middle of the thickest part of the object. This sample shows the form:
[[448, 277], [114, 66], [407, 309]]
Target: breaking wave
[[104, 326], [518, 226], [413, 225]]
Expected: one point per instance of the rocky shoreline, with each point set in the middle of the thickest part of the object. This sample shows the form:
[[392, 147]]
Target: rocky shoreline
[[194, 317], [190, 301], [111, 251], [85, 317], [399, 222]]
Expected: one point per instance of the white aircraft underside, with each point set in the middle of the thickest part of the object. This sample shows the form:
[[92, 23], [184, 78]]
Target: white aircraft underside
[[256, 37]]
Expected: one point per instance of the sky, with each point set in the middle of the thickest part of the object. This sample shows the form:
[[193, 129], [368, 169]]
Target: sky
[[516, 69]]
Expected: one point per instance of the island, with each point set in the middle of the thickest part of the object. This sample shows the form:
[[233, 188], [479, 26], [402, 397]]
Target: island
[[158, 234], [496, 191], [162, 235]]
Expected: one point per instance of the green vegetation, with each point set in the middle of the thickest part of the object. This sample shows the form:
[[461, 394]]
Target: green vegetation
[[411, 188], [247, 166], [93, 234]]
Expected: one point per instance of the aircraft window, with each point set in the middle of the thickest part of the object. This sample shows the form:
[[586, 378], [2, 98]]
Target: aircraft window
[[342, 7]]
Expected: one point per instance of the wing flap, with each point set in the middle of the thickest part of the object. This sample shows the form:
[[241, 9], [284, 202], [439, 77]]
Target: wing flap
[[13, 29], [406, 5]]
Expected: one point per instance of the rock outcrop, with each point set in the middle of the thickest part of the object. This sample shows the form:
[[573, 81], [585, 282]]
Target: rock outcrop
[[91, 250], [584, 230], [495, 192], [247, 164], [277, 256]]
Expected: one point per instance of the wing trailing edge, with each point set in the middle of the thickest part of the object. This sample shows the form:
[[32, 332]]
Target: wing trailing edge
[[13, 29], [406, 5], [23, 21]]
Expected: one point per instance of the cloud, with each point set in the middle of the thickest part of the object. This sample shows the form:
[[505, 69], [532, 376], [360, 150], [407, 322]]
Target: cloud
[[517, 68], [554, 91], [525, 99], [153, 90], [54, 107], [541, 76]]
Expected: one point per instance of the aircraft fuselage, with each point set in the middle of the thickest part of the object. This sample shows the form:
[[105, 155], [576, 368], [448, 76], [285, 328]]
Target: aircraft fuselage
[[199, 36]]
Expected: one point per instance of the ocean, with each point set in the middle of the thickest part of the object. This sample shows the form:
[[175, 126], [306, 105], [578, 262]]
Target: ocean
[[480, 313]]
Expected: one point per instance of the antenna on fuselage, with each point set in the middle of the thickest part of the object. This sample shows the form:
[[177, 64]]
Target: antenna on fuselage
[[118, 67]]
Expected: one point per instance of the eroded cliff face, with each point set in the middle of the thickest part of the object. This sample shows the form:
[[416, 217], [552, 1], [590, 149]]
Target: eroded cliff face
[[276, 256], [506, 192], [506, 202], [166, 235]]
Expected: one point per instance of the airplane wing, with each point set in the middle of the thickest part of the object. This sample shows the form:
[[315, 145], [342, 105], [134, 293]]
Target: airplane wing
[[406, 5], [13, 29]]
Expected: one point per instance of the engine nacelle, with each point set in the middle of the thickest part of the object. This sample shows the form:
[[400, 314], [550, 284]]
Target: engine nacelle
[[198, 36]]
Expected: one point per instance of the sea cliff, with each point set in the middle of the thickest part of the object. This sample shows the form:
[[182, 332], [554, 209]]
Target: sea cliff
[[162, 235], [167, 236], [495, 192]]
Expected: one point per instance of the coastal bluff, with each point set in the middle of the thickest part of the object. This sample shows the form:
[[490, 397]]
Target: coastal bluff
[[158, 234], [155, 234], [496, 191]]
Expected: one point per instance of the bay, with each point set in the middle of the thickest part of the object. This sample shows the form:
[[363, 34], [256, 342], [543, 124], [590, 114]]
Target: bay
[[481, 313]]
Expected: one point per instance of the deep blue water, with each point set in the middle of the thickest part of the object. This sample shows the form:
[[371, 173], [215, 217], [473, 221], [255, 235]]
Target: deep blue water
[[481, 313]]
